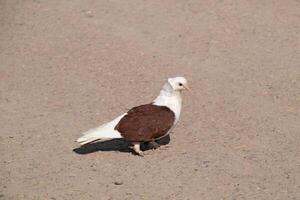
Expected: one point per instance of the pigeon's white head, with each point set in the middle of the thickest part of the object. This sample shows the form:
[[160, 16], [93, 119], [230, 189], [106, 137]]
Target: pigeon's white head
[[170, 95], [178, 83]]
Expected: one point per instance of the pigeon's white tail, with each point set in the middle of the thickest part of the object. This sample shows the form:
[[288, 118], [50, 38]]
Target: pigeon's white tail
[[105, 132]]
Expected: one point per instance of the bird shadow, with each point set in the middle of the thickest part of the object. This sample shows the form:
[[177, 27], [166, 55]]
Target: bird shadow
[[120, 145]]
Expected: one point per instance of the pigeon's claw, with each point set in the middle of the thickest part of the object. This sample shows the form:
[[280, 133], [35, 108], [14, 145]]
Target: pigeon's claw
[[164, 147]]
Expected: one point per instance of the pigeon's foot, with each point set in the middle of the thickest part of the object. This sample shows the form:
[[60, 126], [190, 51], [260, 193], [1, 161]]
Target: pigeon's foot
[[153, 145], [136, 148], [164, 147]]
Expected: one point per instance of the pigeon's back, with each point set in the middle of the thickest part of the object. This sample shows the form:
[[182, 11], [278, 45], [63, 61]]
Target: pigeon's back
[[146, 123]]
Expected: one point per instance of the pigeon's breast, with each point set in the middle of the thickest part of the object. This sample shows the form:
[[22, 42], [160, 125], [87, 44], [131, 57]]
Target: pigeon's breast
[[146, 122]]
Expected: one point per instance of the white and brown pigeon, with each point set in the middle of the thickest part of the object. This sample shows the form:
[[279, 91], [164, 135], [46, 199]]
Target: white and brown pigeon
[[144, 123]]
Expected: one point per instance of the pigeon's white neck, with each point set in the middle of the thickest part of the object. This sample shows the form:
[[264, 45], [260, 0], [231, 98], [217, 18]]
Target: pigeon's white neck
[[170, 98]]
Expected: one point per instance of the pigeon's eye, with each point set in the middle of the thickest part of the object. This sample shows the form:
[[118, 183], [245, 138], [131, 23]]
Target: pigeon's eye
[[180, 84]]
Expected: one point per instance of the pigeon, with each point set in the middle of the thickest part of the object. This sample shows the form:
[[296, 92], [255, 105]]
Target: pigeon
[[145, 123]]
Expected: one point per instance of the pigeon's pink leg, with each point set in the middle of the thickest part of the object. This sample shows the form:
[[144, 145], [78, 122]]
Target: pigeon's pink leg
[[153, 145]]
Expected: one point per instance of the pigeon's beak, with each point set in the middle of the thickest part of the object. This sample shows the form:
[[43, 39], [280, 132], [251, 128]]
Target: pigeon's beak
[[187, 88], [191, 92]]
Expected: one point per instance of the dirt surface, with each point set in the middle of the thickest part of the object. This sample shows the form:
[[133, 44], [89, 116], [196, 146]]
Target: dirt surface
[[67, 66]]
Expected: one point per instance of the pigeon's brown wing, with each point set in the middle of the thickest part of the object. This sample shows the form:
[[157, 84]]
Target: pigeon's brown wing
[[146, 122]]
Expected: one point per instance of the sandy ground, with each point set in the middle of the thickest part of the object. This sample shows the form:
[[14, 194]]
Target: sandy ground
[[67, 66]]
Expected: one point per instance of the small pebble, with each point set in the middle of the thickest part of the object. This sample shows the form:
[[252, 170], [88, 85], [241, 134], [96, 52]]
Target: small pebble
[[118, 183], [89, 13]]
